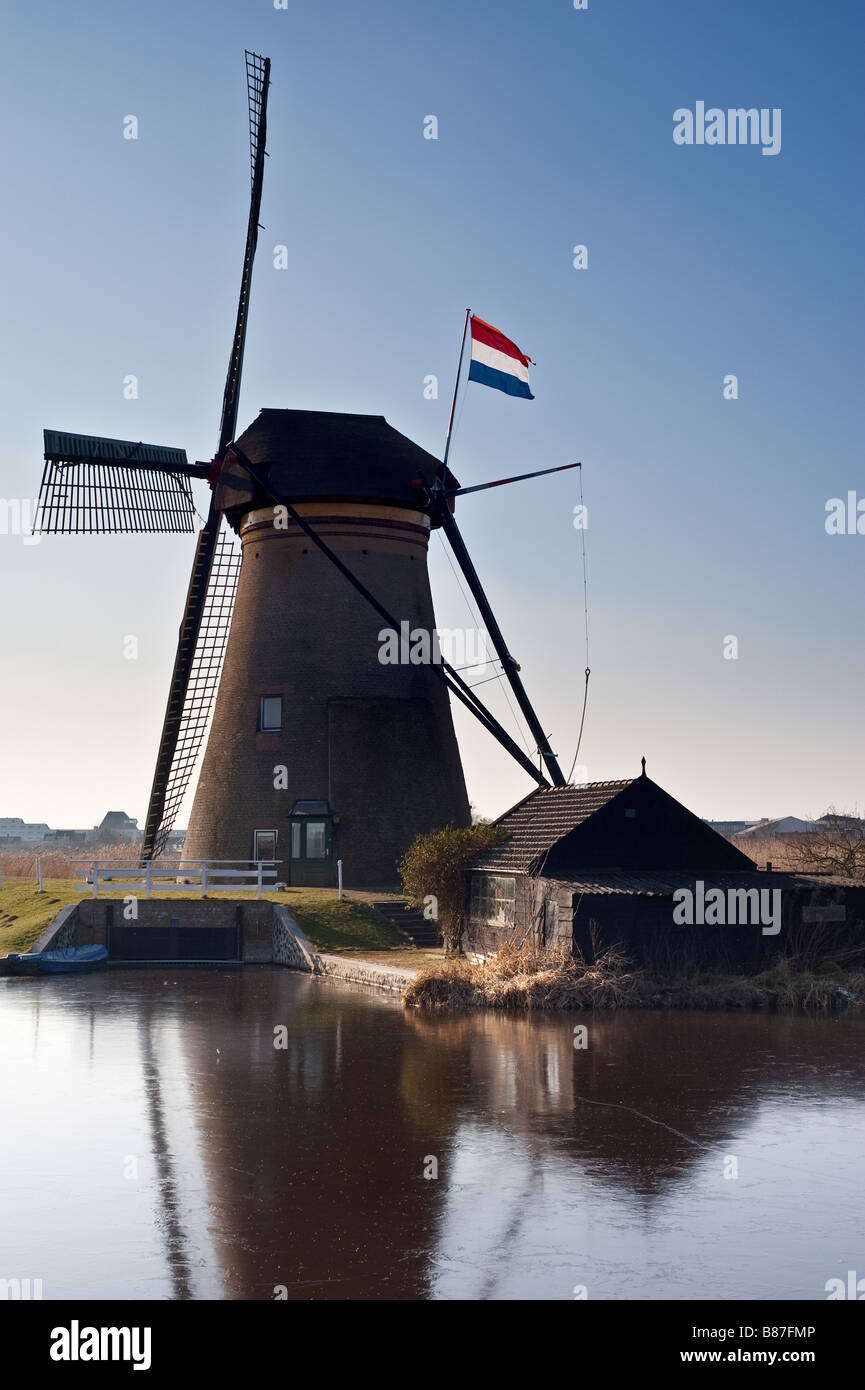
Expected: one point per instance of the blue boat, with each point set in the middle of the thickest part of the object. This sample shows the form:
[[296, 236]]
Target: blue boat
[[66, 960]]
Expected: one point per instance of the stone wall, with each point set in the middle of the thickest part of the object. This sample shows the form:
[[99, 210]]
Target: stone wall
[[63, 931], [290, 946]]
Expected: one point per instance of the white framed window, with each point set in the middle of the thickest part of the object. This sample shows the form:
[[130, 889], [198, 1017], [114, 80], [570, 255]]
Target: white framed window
[[270, 713], [264, 844]]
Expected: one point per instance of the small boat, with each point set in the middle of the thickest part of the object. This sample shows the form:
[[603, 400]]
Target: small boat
[[66, 960]]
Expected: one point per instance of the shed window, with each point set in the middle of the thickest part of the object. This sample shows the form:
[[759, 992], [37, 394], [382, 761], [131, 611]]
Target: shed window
[[492, 900], [270, 713]]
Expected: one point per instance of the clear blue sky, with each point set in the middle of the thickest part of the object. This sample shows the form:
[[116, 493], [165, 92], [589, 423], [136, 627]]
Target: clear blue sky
[[555, 128]]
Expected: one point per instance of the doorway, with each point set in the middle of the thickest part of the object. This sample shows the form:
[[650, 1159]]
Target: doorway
[[311, 845]]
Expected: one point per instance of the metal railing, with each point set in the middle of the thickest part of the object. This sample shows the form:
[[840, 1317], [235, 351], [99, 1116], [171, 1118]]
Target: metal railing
[[199, 876]]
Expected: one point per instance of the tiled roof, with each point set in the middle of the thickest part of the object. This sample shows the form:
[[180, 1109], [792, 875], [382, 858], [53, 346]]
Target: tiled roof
[[542, 819]]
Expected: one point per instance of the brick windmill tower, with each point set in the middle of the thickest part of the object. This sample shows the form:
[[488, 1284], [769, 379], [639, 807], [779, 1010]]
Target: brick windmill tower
[[315, 541], [318, 749]]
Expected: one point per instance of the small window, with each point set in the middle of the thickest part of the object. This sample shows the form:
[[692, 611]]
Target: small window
[[296, 829], [493, 900], [264, 844], [270, 713], [315, 840], [630, 813]]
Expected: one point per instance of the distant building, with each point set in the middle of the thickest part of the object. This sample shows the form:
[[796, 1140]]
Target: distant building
[[15, 831], [833, 821], [67, 837], [782, 825], [730, 827], [116, 828]]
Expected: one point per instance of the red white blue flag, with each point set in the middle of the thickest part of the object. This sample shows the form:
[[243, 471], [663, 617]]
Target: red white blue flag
[[498, 362]]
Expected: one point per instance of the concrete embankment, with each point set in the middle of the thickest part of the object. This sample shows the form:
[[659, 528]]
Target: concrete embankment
[[364, 972]]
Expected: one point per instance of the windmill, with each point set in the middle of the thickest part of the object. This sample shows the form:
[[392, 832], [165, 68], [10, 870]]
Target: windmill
[[315, 747]]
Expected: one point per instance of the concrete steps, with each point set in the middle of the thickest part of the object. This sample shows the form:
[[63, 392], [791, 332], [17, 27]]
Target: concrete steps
[[422, 933]]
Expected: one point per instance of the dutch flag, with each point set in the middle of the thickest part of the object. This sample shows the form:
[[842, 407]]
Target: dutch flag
[[498, 362]]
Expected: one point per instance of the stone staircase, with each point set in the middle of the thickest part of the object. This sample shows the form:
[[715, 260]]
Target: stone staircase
[[423, 934]]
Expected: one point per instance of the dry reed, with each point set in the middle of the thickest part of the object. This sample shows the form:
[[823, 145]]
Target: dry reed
[[58, 863], [529, 978]]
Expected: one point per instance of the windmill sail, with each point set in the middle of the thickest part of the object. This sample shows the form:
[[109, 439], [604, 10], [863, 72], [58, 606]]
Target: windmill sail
[[182, 711], [190, 717], [257, 82], [94, 485]]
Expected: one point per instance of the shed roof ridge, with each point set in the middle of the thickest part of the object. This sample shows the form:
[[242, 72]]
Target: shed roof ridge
[[531, 802]]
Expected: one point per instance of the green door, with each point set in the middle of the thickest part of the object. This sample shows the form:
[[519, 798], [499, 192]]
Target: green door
[[310, 842]]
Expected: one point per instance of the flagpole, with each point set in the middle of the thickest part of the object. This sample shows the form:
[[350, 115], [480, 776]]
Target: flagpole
[[454, 401]]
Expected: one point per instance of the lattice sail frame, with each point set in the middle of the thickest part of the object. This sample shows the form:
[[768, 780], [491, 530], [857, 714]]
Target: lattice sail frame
[[256, 81], [92, 485], [204, 677]]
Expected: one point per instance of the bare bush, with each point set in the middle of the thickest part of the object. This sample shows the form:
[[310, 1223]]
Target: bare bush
[[836, 847]]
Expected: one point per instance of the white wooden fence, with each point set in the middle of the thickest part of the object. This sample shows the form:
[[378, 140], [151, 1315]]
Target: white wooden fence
[[199, 876]]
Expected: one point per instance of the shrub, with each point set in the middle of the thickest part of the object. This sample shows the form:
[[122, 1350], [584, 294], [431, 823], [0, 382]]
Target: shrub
[[435, 866]]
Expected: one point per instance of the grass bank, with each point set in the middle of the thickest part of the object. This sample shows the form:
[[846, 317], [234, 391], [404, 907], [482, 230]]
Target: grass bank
[[331, 925], [24, 913], [529, 979]]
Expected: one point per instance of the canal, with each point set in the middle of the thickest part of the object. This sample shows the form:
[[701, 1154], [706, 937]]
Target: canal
[[255, 1133]]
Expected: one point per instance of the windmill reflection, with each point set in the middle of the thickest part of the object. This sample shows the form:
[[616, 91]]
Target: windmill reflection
[[168, 1218]]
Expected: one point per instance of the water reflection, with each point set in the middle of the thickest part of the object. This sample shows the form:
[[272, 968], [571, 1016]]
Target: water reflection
[[300, 1167], [173, 1232]]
